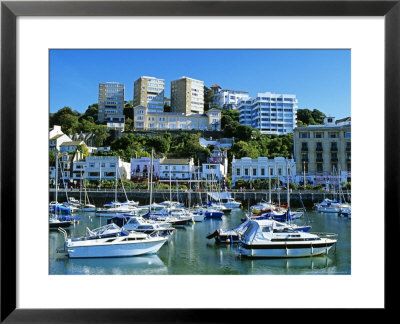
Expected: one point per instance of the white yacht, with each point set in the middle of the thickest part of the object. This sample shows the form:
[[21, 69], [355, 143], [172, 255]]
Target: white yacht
[[329, 206], [139, 224], [111, 241], [230, 203], [113, 209], [269, 240]]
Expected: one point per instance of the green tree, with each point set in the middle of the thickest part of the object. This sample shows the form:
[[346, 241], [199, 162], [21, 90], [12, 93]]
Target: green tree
[[208, 98], [100, 132]]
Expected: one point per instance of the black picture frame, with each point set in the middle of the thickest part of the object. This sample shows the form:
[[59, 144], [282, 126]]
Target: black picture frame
[[10, 10]]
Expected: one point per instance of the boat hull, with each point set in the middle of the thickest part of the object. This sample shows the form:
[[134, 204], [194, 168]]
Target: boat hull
[[213, 214], [198, 218], [285, 250], [328, 209], [62, 224], [115, 250], [232, 205]]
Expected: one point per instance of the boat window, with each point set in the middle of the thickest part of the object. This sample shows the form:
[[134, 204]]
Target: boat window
[[266, 229]]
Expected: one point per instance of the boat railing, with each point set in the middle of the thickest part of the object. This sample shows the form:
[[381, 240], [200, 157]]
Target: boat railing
[[64, 232], [333, 236]]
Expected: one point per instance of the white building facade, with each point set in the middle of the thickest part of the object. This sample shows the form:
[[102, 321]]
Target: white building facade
[[106, 168], [140, 168], [176, 169], [263, 168], [270, 113], [145, 120], [229, 99]]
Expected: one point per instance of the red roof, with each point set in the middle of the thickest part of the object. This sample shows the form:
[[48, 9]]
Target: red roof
[[215, 86]]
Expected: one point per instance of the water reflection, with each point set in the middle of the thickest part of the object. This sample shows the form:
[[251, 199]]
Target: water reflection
[[144, 265], [188, 251]]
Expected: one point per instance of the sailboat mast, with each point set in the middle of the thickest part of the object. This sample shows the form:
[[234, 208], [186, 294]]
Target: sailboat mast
[[151, 179], [287, 181], [170, 185], [115, 199], [80, 191], [269, 185], [56, 183]]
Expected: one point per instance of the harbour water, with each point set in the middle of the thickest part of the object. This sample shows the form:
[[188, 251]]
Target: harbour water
[[189, 252]]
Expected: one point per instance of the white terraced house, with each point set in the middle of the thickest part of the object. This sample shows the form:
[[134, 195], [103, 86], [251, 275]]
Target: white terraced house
[[250, 169]]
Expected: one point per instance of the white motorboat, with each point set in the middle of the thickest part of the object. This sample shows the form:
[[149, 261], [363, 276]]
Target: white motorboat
[[328, 206], [88, 208], [115, 208], [230, 203], [273, 241], [345, 211], [55, 223], [233, 235], [130, 203], [111, 241], [139, 224], [172, 204]]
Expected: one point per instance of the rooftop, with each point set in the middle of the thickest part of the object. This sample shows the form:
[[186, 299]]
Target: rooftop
[[175, 161]]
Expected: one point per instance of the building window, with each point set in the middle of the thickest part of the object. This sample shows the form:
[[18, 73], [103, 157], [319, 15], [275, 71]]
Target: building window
[[349, 167], [271, 171], [333, 135], [262, 171], [304, 135], [304, 157], [319, 135], [238, 171], [279, 171], [246, 172], [318, 146], [334, 146], [254, 172], [319, 167], [304, 146]]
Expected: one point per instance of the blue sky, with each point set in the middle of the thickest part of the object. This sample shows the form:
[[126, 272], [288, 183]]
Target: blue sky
[[319, 78]]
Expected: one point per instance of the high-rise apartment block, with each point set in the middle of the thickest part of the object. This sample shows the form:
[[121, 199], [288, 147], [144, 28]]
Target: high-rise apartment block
[[187, 96], [111, 99], [269, 112], [149, 92]]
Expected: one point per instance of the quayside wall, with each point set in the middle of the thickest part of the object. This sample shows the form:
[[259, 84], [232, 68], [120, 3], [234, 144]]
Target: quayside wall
[[101, 196]]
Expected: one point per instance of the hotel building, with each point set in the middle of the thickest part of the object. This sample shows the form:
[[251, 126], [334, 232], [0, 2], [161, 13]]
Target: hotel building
[[270, 113], [323, 150], [111, 100], [145, 120], [149, 92], [187, 96]]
